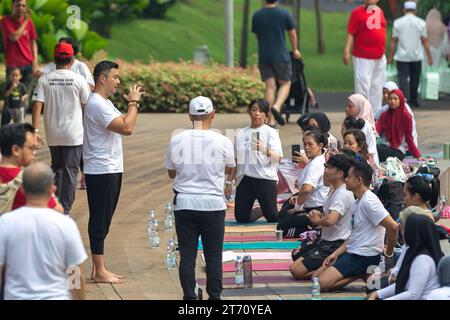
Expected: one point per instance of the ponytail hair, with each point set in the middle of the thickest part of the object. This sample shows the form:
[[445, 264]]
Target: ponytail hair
[[427, 190], [352, 123]]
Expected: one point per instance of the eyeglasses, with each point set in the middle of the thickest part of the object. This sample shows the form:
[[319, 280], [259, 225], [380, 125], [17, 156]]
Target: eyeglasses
[[32, 147]]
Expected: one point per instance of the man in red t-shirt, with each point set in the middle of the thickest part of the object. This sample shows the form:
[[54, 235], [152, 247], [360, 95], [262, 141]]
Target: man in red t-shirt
[[19, 41], [18, 147], [367, 34]]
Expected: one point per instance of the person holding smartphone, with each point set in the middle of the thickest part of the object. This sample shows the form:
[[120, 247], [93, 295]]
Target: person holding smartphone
[[313, 192], [258, 152]]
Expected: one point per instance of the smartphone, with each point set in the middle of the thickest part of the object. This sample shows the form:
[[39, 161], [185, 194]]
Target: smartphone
[[295, 149], [255, 137]]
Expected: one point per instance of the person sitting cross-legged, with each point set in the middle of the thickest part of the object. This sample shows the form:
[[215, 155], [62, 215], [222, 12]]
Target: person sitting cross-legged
[[335, 220], [362, 250]]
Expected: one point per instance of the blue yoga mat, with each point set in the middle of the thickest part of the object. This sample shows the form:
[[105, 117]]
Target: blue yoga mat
[[258, 245], [255, 223]]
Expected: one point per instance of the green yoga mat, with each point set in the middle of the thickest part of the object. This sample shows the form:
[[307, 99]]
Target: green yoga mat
[[258, 245], [254, 223]]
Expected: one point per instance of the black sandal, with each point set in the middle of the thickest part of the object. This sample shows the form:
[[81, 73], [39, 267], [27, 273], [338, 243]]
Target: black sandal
[[278, 117]]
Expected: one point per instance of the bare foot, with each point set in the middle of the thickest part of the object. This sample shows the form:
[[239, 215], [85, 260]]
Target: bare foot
[[107, 277]]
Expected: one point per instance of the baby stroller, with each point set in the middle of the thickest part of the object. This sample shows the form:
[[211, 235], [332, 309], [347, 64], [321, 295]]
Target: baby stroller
[[298, 101]]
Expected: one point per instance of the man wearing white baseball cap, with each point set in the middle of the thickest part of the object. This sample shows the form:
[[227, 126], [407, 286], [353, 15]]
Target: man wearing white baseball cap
[[201, 162], [409, 35]]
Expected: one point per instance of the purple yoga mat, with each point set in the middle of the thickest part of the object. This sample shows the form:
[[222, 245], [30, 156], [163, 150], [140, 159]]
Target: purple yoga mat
[[258, 280], [280, 266], [253, 238]]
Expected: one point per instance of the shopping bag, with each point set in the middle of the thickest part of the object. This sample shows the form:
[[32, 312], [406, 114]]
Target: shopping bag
[[444, 78], [391, 73], [429, 84]]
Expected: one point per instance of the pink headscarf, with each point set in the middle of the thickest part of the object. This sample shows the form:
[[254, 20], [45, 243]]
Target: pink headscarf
[[364, 108]]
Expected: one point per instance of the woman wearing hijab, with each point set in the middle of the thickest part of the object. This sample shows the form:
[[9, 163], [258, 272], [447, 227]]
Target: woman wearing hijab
[[417, 276], [387, 88], [359, 107], [395, 127], [437, 36], [443, 272]]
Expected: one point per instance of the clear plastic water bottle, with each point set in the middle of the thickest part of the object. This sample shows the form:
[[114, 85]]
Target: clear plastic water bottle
[[168, 217], [239, 272], [382, 264], [154, 234], [315, 289], [170, 258]]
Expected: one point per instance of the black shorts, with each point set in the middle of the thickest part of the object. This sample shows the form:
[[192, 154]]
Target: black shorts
[[352, 265], [279, 71], [314, 257]]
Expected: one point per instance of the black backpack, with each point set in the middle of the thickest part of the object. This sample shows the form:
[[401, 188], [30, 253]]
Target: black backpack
[[392, 197]]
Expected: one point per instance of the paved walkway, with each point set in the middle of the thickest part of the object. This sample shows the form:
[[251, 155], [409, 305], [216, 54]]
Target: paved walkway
[[146, 185]]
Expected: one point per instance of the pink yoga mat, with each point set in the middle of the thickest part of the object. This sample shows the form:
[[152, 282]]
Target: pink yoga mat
[[281, 266], [257, 237], [258, 280]]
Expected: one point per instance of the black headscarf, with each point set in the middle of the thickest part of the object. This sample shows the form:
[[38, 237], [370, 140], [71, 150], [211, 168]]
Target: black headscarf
[[322, 120], [303, 121], [421, 235]]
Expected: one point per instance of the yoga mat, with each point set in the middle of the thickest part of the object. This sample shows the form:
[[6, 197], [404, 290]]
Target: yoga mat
[[329, 298], [228, 256], [259, 280], [229, 267], [252, 238], [254, 223], [305, 289], [258, 245], [258, 228]]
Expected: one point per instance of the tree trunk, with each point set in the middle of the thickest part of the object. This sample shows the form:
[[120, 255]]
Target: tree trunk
[[320, 39], [244, 35], [296, 8]]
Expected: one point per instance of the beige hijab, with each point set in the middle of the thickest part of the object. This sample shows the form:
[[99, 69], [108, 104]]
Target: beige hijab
[[364, 108], [435, 28]]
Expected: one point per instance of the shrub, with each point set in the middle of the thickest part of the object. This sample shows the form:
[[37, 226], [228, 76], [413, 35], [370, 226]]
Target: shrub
[[170, 86]]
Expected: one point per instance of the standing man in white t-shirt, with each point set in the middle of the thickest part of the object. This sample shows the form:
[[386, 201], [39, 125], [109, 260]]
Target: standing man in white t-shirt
[[409, 37], [335, 220], [76, 66], [62, 94], [103, 159], [362, 250], [41, 251], [198, 160]]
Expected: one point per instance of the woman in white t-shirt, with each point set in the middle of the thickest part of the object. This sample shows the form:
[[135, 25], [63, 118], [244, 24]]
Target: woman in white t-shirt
[[312, 194], [258, 153], [417, 275], [360, 108]]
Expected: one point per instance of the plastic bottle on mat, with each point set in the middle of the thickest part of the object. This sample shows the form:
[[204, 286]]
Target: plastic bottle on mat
[[248, 271], [239, 272], [315, 289]]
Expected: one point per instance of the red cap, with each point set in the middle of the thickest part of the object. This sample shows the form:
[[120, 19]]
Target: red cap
[[63, 50]]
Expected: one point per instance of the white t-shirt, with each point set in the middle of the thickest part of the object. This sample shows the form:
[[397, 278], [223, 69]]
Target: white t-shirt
[[439, 294], [371, 140], [421, 282], [63, 92], [37, 246], [340, 200], [102, 148], [77, 67], [291, 173], [408, 30], [367, 238], [414, 128], [254, 163], [199, 158], [314, 176]]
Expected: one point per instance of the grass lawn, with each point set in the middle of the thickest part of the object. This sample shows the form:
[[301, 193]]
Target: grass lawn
[[202, 22]]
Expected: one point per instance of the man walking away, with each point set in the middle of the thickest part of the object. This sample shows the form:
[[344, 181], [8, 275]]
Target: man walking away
[[270, 24]]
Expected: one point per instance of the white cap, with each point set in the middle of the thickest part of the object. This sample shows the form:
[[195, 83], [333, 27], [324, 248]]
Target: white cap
[[200, 106], [410, 5]]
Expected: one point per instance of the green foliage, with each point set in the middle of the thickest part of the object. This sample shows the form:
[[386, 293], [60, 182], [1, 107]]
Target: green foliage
[[426, 5], [170, 86], [102, 14], [51, 18]]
